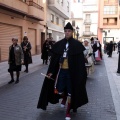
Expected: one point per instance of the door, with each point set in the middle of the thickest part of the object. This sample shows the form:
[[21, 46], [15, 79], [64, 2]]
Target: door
[[7, 32], [32, 40]]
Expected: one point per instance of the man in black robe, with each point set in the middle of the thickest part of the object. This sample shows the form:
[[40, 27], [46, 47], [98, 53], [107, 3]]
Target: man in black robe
[[67, 67]]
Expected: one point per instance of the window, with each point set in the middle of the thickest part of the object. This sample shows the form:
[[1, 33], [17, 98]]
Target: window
[[58, 1], [24, 0], [110, 1], [110, 9], [87, 16], [67, 6], [57, 20], [63, 22], [52, 18], [73, 23], [87, 28], [61, 2]]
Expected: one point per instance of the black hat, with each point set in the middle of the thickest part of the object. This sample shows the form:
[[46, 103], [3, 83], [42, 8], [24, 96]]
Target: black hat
[[68, 26]]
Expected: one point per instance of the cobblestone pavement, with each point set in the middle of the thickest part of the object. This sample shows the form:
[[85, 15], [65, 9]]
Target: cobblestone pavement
[[18, 102]]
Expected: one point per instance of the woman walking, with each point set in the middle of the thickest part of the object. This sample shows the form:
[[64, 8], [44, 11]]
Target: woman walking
[[26, 46]]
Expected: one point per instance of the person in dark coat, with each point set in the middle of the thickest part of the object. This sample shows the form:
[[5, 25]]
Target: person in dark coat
[[45, 50], [110, 49], [118, 70], [16, 59], [26, 46], [94, 47], [51, 42], [67, 68], [99, 47]]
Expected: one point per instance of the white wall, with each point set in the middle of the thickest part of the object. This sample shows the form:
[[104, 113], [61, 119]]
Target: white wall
[[77, 9]]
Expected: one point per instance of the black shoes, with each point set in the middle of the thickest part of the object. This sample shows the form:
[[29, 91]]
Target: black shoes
[[26, 71], [10, 82], [17, 81]]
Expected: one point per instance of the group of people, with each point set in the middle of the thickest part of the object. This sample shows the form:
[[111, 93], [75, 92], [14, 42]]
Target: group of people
[[46, 50], [67, 74], [111, 46], [19, 55]]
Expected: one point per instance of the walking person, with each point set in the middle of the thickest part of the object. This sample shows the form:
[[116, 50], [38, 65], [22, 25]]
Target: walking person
[[45, 50], [110, 49], [15, 60], [99, 47], [118, 70], [67, 67], [89, 56], [26, 46], [94, 47], [51, 42]]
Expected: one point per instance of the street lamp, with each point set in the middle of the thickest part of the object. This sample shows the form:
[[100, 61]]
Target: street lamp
[[77, 29]]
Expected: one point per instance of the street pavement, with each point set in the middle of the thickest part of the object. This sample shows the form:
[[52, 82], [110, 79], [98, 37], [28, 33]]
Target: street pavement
[[19, 101], [5, 76]]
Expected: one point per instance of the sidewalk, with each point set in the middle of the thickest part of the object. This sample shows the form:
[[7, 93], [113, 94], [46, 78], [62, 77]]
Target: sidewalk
[[114, 80], [5, 76]]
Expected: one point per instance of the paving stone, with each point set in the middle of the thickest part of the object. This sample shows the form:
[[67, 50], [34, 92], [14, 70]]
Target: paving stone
[[19, 102]]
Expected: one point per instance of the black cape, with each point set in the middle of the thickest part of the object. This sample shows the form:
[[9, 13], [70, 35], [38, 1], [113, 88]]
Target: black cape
[[78, 75]]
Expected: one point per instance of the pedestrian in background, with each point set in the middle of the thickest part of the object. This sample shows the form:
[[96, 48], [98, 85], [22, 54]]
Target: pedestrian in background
[[94, 47], [45, 50], [51, 42], [118, 70], [89, 56], [99, 47], [67, 67], [16, 59], [110, 49], [26, 46]]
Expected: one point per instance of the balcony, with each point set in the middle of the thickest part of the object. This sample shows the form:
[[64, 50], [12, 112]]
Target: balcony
[[55, 6], [87, 33], [35, 11], [87, 21], [14, 6]]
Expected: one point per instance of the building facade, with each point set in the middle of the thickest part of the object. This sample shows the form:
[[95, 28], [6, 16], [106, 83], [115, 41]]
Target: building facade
[[57, 12], [19, 18], [109, 21], [90, 17]]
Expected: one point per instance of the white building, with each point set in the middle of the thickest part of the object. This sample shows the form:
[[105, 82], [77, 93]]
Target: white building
[[76, 18], [90, 17], [57, 12]]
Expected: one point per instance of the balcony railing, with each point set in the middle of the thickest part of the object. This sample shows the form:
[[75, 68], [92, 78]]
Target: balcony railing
[[87, 21], [31, 3], [111, 12], [87, 33]]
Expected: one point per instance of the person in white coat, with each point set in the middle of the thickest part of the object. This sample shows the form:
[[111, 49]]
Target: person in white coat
[[89, 56]]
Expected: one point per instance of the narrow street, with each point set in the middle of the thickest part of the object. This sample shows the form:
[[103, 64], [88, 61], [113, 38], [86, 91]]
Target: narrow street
[[18, 102]]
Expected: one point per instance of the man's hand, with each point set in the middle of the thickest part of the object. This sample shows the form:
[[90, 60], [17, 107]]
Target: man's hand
[[49, 75], [22, 62]]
